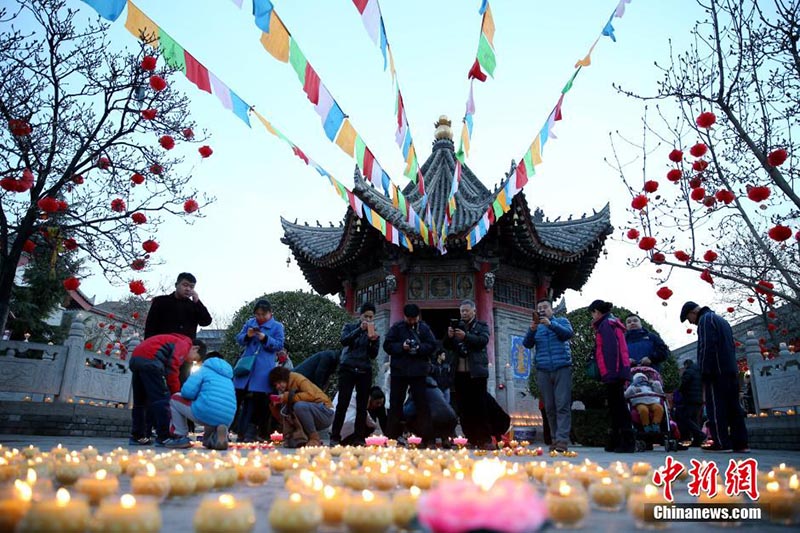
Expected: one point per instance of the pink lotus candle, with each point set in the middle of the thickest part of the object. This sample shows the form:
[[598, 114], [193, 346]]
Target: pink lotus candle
[[460, 441], [276, 437], [413, 440], [376, 440]]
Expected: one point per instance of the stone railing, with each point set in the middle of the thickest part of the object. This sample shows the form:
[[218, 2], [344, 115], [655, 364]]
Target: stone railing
[[65, 373], [775, 382]]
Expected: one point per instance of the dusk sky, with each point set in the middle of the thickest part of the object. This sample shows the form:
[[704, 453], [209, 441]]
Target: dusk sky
[[235, 250]]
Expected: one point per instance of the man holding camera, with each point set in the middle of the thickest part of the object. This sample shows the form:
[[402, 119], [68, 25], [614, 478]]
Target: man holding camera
[[553, 360], [467, 339], [410, 345]]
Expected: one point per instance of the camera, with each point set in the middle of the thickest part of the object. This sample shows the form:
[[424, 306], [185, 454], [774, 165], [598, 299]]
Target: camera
[[458, 324], [413, 346]]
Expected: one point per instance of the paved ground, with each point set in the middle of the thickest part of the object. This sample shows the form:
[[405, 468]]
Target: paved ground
[[177, 514]]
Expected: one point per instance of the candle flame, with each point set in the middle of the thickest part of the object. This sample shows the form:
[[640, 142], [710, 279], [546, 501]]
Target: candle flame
[[564, 489], [62, 497], [227, 501], [782, 466], [793, 482], [329, 492], [606, 481], [179, 468], [101, 474], [485, 473], [295, 498], [773, 486], [367, 495], [127, 501], [650, 491], [198, 467], [31, 477], [23, 490], [415, 491], [151, 469]]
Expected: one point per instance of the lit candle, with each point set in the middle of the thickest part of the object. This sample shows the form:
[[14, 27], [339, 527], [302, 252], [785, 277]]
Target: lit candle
[[784, 472], [642, 512], [413, 440], [460, 441], [151, 483], [8, 471], [376, 440], [139, 516], [70, 470], [779, 504], [58, 514], [225, 514], [295, 515], [607, 494], [14, 506], [90, 452], [97, 486], [333, 503], [276, 437], [256, 473], [404, 507], [30, 452], [384, 478], [369, 513], [640, 469], [181, 483], [204, 478], [567, 505]]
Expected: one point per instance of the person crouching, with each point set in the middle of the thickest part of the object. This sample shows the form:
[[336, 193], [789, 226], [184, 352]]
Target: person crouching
[[304, 409]]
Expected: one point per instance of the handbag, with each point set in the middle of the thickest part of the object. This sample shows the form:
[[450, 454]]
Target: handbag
[[244, 366], [592, 370]]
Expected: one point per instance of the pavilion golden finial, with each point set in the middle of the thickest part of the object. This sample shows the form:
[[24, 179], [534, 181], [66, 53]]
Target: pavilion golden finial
[[443, 130]]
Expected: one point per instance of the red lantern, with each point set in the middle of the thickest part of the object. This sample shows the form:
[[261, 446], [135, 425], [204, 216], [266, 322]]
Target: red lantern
[[647, 243], [166, 142], [149, 114], [674, 175], [698, 194], [157, 83], [118, 205], [698, 150], [780, 233], [72, 283], [633, 234], [725, 196], [188, 133], [138, 264], [705, 275], [706, 119], [777, 157], [19, 128], [682, 256], [710, 256], [150, 246], [70, 244], [676, 156], [700, 165], [639, 202], [137, 287], [190, 206], [731, 309], [205, 151], [664, 293], [149, 63], [659, 258], [758, 194], [138, 218], [650, 186]]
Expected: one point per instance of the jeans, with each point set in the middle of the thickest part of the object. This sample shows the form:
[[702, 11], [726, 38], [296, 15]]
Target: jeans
[[150, 398], [313, 416], [348, 380]]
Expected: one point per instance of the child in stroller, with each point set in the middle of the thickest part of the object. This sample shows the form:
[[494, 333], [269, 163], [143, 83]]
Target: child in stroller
[[649, 410]]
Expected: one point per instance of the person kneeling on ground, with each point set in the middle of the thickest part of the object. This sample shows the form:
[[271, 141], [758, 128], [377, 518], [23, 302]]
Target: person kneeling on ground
[[375, 412], [208, 398], [650, 409], [304, 409], [443, 419]]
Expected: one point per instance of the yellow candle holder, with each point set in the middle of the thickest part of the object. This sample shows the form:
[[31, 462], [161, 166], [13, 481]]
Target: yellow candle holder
[[295, 515], [368, 513], [97, 486], [14, 505], [607, 494], [61, 513], [404, 507], [333, 502], [151, 483], [224, 514], [127, 514], [567, 505]]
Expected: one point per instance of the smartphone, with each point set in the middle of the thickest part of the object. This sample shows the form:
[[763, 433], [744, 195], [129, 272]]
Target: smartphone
[[535, 317], [454, 323], [371, 329]]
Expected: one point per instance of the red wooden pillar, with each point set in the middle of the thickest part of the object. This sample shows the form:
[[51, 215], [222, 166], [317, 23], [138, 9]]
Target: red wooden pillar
[[543, 289], [484, 301], [349, 297], [397, 299]]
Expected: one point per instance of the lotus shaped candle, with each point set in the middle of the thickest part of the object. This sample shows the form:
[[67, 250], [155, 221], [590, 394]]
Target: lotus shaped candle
[[376, 440], [460, 441]]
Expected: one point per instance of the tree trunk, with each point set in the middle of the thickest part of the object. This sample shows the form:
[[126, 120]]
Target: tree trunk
[[7, 274]]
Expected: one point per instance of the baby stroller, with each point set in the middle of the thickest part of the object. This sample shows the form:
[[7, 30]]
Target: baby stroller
[[668, 435]]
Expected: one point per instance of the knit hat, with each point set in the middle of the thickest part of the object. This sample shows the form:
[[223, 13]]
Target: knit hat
[[639, 378]]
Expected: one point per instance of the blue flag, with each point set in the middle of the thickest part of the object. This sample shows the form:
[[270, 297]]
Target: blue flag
[[108, 9]]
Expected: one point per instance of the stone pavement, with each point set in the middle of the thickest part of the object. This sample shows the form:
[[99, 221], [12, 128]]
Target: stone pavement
[[177, 514]]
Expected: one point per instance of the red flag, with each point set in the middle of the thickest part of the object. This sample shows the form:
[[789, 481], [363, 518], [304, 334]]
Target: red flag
[[558, 107], [311, 86], [361, 5], [369, 159], [522, 176], [299, 153], [490, 212], [400, 109], [197, 73], [476, 72]]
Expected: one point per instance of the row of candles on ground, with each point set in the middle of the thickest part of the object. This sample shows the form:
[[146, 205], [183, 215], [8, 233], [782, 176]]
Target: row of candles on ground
[[359, 487]]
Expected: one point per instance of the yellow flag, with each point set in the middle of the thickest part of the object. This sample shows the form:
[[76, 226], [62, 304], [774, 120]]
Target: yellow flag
[[141, 26], [536, 151], [276, 42], [488, 25], [346, 138], [266, 123]]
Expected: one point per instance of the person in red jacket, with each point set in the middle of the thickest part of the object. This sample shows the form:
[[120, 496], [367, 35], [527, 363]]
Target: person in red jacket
[[155, 376]]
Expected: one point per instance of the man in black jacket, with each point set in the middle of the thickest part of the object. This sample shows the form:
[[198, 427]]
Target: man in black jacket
[[361, 343], [716, 357], [179, 312], [410, 345], [468, 339], [687, 413]]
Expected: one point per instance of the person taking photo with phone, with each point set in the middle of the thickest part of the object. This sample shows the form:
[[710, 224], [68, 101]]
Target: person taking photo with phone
[[360, 347], [550, 336]]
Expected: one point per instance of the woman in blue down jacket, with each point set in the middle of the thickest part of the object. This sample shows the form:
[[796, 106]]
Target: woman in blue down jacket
[[611, 354], [261, 336]]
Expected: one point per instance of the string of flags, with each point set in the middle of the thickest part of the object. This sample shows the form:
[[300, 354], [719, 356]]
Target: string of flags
[[279, 42], [526, 167], [143, 27]]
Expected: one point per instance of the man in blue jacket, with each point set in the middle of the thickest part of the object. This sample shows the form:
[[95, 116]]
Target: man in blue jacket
[[716, 357], [553, 359], [208, 398], [645, 348]]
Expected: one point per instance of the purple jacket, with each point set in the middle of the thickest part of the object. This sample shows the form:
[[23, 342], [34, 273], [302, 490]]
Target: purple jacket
[[611, 350]]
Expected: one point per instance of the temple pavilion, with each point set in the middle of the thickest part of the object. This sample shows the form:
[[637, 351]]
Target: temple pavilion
[[523, 257]]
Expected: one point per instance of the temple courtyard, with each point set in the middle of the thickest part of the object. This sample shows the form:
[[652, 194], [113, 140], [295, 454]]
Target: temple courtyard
[[178, 513]]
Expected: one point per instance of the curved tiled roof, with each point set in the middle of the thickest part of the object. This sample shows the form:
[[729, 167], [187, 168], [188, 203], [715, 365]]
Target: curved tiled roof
[[573, 235]]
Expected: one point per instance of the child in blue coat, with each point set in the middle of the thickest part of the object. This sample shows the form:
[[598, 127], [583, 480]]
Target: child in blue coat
[[207, 398]]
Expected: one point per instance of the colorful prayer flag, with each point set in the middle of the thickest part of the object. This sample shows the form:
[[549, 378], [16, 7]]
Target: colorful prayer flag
[[196, 72], [262, 9], [108, 9], [141, 26], [276, 41]]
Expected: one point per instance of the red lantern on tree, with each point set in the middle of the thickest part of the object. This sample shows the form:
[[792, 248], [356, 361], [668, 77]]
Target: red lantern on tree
[[725, 196], [674, 175], [137, 287], [190, 206], [664, 293], [650, 186], [138, 218], [758, 194], [659, 258], [780, 233], [633, 234], [676, 156], [157, 83], [682, 256], [777, 157], [706, 119], [698, 150], [710, 256], [647, 243], [149, 114], [118, 205], [698, 194], [166, 142], [149, 63], [150, 246], [72, 283], [639, 202], [705, 275], [205, 151]]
